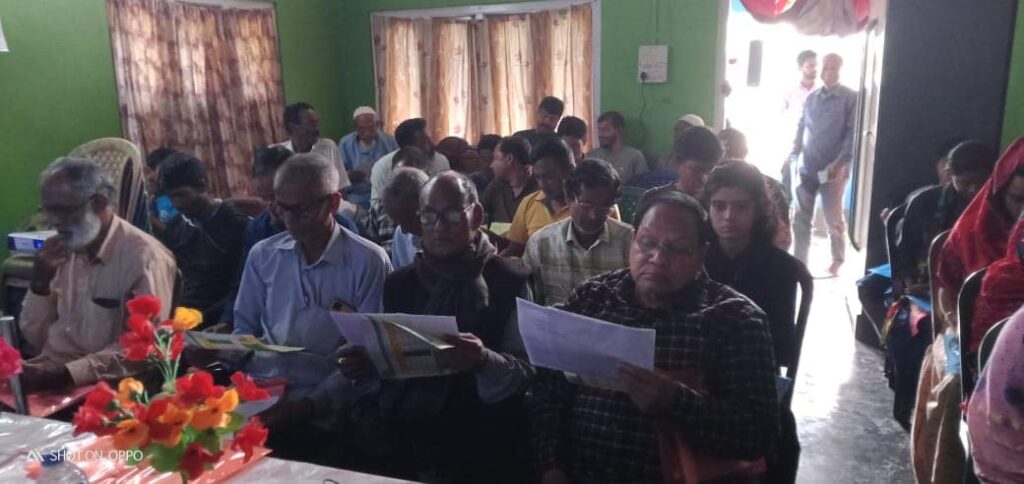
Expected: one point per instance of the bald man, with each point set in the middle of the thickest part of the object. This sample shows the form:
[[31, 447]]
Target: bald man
[[824, 150]]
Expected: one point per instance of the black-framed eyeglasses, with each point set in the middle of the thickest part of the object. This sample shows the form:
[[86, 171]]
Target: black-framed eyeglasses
[[64, 213], [302, 210], [673, 248], [452, 217]]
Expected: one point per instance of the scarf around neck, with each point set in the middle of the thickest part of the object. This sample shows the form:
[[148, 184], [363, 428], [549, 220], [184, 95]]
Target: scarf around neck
[[456, 285]]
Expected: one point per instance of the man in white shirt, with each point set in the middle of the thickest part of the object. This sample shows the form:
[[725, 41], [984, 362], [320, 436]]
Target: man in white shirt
[[411, 132], [303, 125], [402, 204]]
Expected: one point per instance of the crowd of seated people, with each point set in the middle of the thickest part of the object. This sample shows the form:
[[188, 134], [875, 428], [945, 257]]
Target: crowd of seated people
[[697, 263]]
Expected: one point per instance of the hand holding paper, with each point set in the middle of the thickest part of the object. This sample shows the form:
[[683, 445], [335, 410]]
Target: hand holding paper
[[402, 345]]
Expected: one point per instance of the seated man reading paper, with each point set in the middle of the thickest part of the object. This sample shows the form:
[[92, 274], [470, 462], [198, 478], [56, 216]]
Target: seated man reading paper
[[714, 378], [291, 283], [469, 426]]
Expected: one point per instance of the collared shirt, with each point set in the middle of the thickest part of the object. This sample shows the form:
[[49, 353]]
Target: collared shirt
[[825, 131], [383, 168], [404, 247], [326, 148], [711, 333], [79, 324], [628, 161], [533, 214], [500, 201], [560, 263], [261, 228], [358, 156], [286, 300]]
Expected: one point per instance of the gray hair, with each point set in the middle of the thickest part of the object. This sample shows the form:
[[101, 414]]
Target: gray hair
[[309, 170], [406, 184], [462, 182], [84, 176]]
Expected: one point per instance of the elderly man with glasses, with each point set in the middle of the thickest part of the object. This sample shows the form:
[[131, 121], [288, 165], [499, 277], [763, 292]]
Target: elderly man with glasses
[[469, 426], [290, 284], [714, 380], [75, 313]]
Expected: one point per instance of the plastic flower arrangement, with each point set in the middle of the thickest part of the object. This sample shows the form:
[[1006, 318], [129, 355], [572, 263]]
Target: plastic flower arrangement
[[188, 425]]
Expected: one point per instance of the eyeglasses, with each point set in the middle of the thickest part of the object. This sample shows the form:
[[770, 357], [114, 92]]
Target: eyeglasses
[[64, 213], [452, 217], [304, 210], [676, 248]]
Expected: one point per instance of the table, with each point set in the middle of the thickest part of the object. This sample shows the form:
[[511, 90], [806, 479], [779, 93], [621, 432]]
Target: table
[[21, 434]]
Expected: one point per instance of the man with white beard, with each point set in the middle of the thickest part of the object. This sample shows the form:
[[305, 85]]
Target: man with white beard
[[74, 314]]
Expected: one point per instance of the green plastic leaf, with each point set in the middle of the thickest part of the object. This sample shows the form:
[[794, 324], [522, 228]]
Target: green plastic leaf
[[209, 440], [166, 459], [237, 421]]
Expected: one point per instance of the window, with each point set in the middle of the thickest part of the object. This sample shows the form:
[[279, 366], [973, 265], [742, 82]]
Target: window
[[481, 70]]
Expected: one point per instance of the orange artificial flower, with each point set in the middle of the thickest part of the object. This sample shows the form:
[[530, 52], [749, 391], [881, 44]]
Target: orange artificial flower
[[186, 319], [127, 391], [214, 413], [131, 433]]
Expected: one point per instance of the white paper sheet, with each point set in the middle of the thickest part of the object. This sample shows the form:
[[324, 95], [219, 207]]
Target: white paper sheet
[[400, 345], [586, 347]]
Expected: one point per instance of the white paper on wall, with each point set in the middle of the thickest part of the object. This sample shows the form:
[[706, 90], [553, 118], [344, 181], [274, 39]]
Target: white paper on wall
[[3, 41]]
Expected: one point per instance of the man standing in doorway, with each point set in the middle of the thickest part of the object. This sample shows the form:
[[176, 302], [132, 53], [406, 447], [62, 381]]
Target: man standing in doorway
[[824, 143], [793, 104]]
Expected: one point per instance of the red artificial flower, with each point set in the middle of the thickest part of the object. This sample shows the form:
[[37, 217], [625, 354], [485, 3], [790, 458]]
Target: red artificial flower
[[10, 360], [247, 388], [139, 341], [196, 387], [147, 306], [88, 419], [100, 397], [157, 429], [252, 435], [195, 460]]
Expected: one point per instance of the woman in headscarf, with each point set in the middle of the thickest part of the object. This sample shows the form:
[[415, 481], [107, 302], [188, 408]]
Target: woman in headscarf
[[980, 235], [1002, 289]]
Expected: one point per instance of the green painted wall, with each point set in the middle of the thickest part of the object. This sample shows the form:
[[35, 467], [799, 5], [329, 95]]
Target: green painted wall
[[57, 86], [1013, 120], [690, 28], [57, 90]]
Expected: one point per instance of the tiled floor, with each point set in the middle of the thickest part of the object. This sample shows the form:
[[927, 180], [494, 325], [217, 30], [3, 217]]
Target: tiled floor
[[842, 404]]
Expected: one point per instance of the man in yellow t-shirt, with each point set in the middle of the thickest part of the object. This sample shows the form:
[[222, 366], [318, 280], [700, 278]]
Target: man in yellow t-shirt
[[552, 163]]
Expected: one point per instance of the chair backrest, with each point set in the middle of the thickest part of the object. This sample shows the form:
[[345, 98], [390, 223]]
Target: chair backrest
[[892, 225], [965, 307], [965, 315], [122, 162], [933, 289], [628, 201], [806, 282], [988, 342]]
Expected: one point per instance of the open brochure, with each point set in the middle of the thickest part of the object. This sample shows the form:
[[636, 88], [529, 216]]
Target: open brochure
[[234, 342], [586, 349], [401, 345]]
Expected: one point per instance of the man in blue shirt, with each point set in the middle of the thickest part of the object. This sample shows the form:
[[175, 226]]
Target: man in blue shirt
[[362, 148], [824, 145], [266, 224], [293, 281]]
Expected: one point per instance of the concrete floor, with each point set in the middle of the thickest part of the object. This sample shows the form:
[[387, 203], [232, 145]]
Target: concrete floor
[[843, 405]]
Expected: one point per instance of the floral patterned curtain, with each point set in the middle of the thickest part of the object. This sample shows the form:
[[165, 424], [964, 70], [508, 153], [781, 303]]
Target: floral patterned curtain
[[470, 77], [201, 79]]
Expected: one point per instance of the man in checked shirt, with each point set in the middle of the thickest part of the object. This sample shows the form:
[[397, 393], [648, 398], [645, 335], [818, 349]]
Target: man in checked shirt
[[708, 336]]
